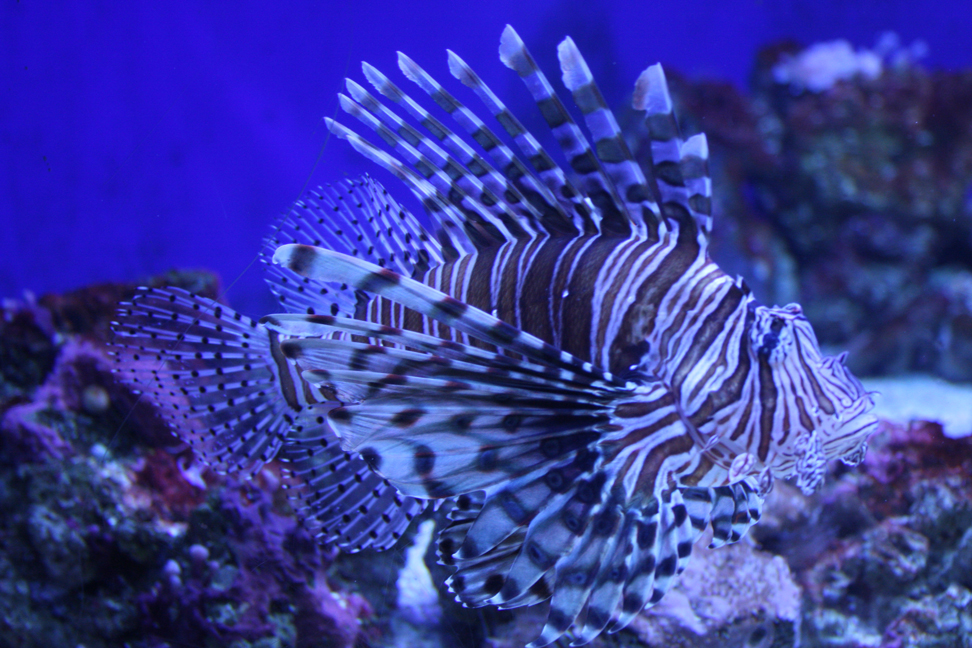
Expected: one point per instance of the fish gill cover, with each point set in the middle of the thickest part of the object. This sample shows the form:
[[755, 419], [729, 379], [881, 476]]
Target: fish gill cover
[[557, 361]]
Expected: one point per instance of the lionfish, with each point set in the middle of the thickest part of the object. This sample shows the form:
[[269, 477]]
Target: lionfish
[[557, 357]]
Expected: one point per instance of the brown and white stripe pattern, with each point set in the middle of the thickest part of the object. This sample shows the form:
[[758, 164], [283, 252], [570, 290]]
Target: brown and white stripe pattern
[[560, 358]]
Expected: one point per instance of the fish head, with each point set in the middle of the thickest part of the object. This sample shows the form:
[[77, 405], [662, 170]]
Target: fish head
[[820, 410]]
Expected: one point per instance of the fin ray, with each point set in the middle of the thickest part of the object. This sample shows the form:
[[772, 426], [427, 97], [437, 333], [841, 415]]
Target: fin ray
[[620, 166], [168, 339], [334, 492], [680, 168], [359, 218], [594, 182], [513, 181]]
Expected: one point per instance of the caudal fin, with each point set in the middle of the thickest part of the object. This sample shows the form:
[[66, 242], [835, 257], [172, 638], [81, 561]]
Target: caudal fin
[[210, 372]]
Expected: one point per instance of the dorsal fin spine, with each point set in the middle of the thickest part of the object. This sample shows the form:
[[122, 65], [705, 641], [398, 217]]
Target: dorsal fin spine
[[593, 181], [609, 143], [462, 189], [451, 232], [553, 184]]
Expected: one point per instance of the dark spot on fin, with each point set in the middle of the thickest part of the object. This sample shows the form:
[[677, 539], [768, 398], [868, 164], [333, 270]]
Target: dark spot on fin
[[424, 460], [371, 457], [302, 258]]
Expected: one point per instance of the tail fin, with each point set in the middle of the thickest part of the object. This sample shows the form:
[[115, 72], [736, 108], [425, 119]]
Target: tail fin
[[209, 370], [226, 388]]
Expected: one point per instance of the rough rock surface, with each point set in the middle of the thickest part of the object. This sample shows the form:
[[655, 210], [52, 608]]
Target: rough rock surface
[[112, 534], [883, 551], [731, 596]]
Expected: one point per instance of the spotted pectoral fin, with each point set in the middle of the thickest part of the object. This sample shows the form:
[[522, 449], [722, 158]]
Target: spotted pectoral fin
[[507, 554], [570, 535], [438, 438], [437, 427], [438, 417], [650, 547], [210, 372], [660, 548], [481, 577], [731, 510], [336, 495]]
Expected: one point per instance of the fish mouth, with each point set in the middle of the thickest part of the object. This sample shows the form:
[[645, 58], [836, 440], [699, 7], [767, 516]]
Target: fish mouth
[[850, 427]]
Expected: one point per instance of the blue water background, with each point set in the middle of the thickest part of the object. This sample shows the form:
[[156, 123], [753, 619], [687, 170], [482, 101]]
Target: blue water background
[[137, 137]]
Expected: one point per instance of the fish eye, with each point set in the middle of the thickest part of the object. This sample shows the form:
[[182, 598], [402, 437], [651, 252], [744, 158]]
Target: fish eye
[[772, 332]]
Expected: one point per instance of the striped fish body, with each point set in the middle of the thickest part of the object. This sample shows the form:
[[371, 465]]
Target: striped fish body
[[663, 309], [600, 298], [559, 359], [626, 305]]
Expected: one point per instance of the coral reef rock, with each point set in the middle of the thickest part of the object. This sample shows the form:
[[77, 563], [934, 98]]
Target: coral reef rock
[[733, 596], [112, 534], [884, 552]]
